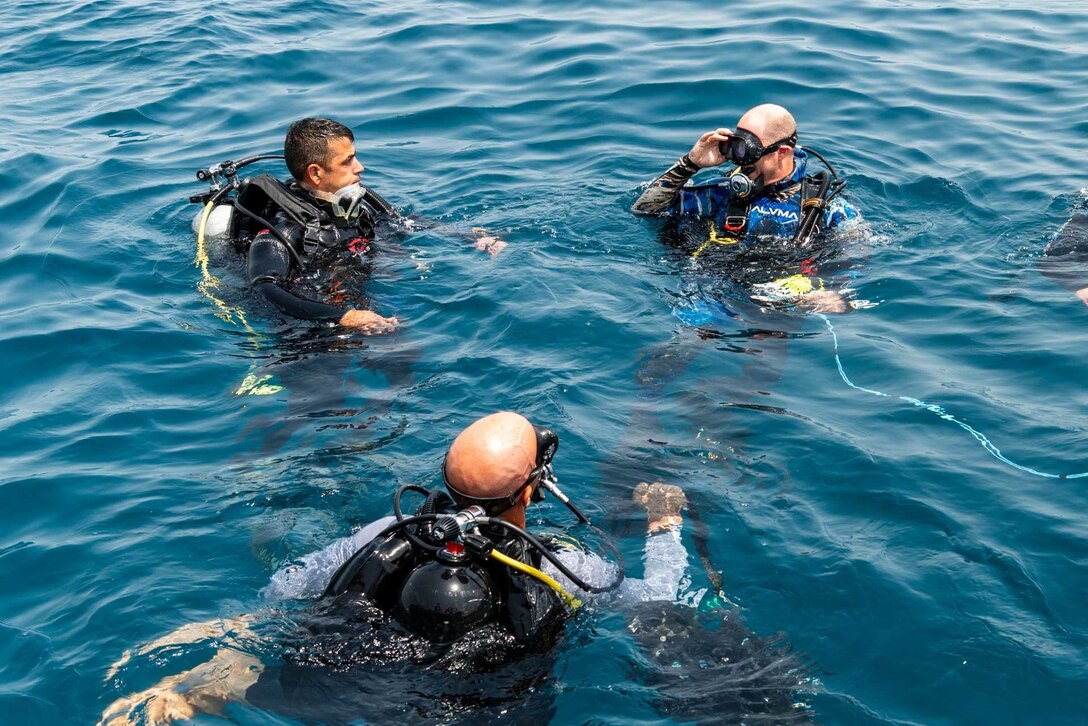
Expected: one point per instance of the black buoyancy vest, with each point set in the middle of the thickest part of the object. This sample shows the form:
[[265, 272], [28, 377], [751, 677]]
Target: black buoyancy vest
[[264, 195]]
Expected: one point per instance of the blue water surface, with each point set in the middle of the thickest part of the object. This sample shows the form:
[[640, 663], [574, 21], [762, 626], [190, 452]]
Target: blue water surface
[[921, 578]]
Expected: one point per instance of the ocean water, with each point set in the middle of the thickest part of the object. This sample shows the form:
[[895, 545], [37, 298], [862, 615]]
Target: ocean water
[[917, 550]]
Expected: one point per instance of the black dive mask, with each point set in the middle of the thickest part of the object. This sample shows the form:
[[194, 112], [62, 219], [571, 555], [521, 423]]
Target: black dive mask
[[744, 148], [547, 441]]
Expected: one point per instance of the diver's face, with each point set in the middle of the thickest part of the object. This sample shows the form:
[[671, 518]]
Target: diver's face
[[773, 166], [341, 168]]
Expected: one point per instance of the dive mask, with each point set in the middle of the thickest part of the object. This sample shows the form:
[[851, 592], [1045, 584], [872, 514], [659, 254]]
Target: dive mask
[[744, 148], [547, 441], [347, 203]]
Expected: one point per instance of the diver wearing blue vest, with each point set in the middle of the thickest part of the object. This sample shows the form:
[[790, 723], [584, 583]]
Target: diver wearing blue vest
[[770, 194]]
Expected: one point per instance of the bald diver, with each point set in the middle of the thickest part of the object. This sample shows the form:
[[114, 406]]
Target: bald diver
[[411, 605]]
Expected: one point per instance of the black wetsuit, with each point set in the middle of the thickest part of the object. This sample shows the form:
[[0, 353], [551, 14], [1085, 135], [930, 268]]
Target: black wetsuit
[[326, 261]]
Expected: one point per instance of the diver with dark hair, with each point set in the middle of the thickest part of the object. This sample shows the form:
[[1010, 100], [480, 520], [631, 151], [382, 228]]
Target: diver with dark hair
[[310, 244], [1065, 260], [314, 236], [768, 211]]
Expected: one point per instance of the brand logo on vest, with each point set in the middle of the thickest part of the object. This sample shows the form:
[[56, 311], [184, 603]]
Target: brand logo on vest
[[777, 212]]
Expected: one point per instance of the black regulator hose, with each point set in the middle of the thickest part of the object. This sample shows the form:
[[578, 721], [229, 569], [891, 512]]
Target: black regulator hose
[[827, 163], [414, 537], [259, 157], [548, 555], [400, 492], [229, 169], [271, 228], [403, 524]]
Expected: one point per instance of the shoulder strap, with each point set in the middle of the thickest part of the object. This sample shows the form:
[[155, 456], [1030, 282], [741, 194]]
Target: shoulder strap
[[293, 205]]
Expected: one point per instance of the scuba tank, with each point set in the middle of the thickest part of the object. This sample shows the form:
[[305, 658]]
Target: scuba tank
[[445, 598], [218, 218], [438, 573]]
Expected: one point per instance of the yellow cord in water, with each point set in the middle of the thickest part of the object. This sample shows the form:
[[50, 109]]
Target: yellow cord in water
[[208, 281], [714, 239], [572, 602]]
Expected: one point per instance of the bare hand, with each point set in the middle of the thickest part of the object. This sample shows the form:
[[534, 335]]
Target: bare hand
[[1083, 295], [486, 242], [204, 689], [663, 503], [368, 322], [824, 301], [706, 151]]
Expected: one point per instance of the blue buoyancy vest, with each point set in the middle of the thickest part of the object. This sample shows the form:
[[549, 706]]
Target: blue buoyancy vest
[[775, 212]]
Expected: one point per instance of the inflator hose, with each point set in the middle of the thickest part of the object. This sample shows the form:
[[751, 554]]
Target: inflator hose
[[271, 228], [572, 602]]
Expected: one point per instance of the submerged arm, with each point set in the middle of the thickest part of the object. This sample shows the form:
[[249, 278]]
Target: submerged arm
[[663, 191], [210, 686], [268, 265], [480, 237], [207, 688]]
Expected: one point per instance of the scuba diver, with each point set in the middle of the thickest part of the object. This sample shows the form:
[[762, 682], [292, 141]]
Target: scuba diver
[[1065, 260], [465, 558], [759, 240], [311, 237], [767, 210], [463, 592], [309, 246], [458, 586]]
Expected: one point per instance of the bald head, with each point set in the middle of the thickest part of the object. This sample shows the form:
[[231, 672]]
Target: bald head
[[493, 456], [769, 122]]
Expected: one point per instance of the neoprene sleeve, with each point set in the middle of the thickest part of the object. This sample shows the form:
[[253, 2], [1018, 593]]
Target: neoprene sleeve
[[662, 192], [267, 265]]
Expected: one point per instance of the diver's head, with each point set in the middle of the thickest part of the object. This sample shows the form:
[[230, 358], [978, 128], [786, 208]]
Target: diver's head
[[320, 154], [497, 463], [763, 143]]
